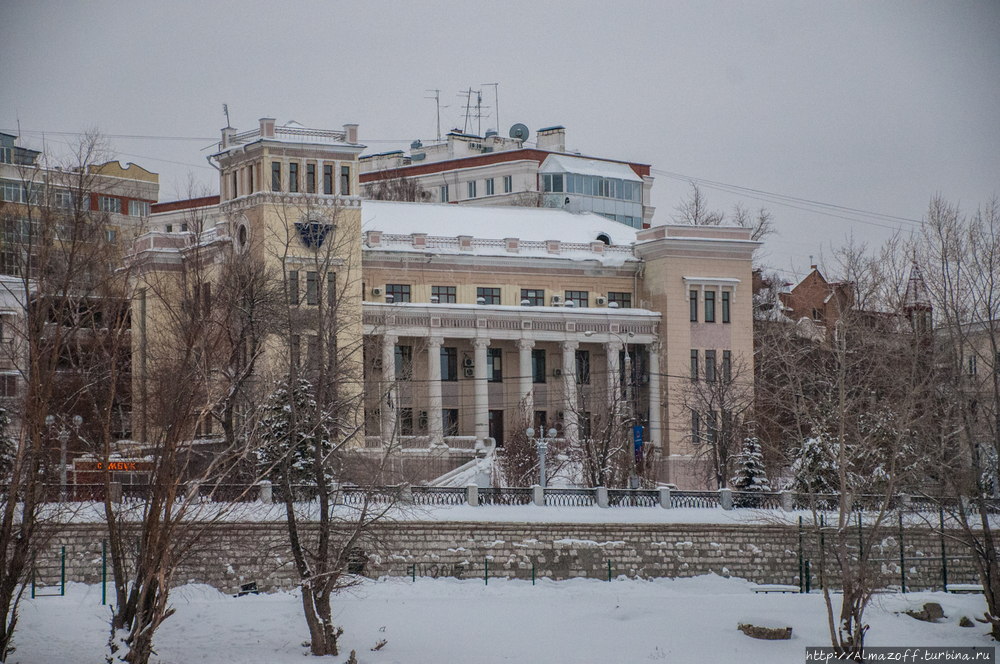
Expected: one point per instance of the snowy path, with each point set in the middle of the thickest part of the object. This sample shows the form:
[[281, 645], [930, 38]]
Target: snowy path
[[445, 620]]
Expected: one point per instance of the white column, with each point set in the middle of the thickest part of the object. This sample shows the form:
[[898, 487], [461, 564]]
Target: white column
[[655, 437], [614, 377], [482, 396], [435, 427], [526, 398], [569, 389], [389, 393]]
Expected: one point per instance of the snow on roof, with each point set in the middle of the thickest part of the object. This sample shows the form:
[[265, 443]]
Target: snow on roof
[[494, 222], [563, 163]]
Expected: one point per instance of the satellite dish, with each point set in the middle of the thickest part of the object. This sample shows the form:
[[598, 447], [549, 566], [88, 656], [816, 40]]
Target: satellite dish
[[519, 131]]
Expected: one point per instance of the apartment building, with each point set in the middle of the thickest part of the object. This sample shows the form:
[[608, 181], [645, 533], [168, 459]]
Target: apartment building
[[491, 170], [478, 319]]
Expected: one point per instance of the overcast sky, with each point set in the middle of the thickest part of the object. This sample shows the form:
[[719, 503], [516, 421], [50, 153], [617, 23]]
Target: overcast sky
[[871, 106]]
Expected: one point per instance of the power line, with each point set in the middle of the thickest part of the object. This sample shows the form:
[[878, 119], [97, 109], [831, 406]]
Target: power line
[[805, 204]]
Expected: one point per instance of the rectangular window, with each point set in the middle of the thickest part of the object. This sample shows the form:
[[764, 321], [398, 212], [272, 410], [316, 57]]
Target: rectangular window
[[579, 298], [725, 306], [539, 421], [711, 427], [972, 365], [293, 288], [328, 180], [449, 421], [234, 190], [693, 295], [538, 366], [312, 289], [449, 363], [694, 364], [489, 187], [109, 204], [345, 180], [275, 176], [398, 292], [12, 192], [710, 366], [490, 295], [695, 427], [5, 156], [405, 421], [8, 385], [557, 183], [472, 189], [250, 176], [404, 362], [709, 306], [623, 300], [64, 200], [135, 208], [496, 426], [583, 367], [583, 424], [444, 294], [534, 296], [494, 365], [444, 194], [310, 178], [312, 352], [508, 184], [293, 177], [727, 366]]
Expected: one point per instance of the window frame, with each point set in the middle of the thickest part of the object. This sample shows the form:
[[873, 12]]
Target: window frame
[[693, 297], [449, 364], [328, 179], [293, 177], [577, 296], [709, 306], [582, 360], [345, 180], [488, 293], [450, 422], [694, 365], [508, 184], [403, 358], [538, 369], [726, 300], [449, 294], [444, 194], [537, 299], [490, 186], [312, 288], [110, 204], [399, 292], [623, 298], [293, 288], [711, 370], [310, 178], [494, 365], [471, 188], [275, 176]]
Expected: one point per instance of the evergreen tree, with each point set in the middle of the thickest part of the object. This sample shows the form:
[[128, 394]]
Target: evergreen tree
[[751, 477], [292, 428], [815, 468]]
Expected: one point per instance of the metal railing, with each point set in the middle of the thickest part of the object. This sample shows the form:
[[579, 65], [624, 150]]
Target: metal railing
[[349, 494]]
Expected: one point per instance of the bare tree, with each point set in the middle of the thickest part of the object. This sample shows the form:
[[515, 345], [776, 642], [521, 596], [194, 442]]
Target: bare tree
[[58, 260], [396, 186], [720, 399], [314, 444], [694, 210], [962, 256]]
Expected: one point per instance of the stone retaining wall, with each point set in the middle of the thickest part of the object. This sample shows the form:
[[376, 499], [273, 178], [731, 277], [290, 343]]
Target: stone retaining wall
[[231, 554]]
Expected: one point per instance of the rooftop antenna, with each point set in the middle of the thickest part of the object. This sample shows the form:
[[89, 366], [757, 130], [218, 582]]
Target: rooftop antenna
[[479, 112], [468, 104], [437, 102], [496, 102], [225, 109]]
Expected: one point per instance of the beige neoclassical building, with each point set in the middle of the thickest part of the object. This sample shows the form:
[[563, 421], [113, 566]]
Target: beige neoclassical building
[[477, 320]]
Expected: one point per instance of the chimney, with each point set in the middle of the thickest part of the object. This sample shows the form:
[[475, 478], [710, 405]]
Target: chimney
[[267, 127], [227, 137], [351, 132], [552, 139]]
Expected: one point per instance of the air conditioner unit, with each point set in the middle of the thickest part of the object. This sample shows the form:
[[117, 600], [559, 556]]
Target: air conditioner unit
[[601, 300], [557, 300], [377, 291], [468, 362], [470, 372], [557, 372]]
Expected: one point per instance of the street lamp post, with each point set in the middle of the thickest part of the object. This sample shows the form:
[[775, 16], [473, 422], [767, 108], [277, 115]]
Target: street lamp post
[[543, 447]]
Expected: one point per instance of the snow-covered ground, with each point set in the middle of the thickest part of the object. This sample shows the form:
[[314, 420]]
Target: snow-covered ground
[[447, 620]]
